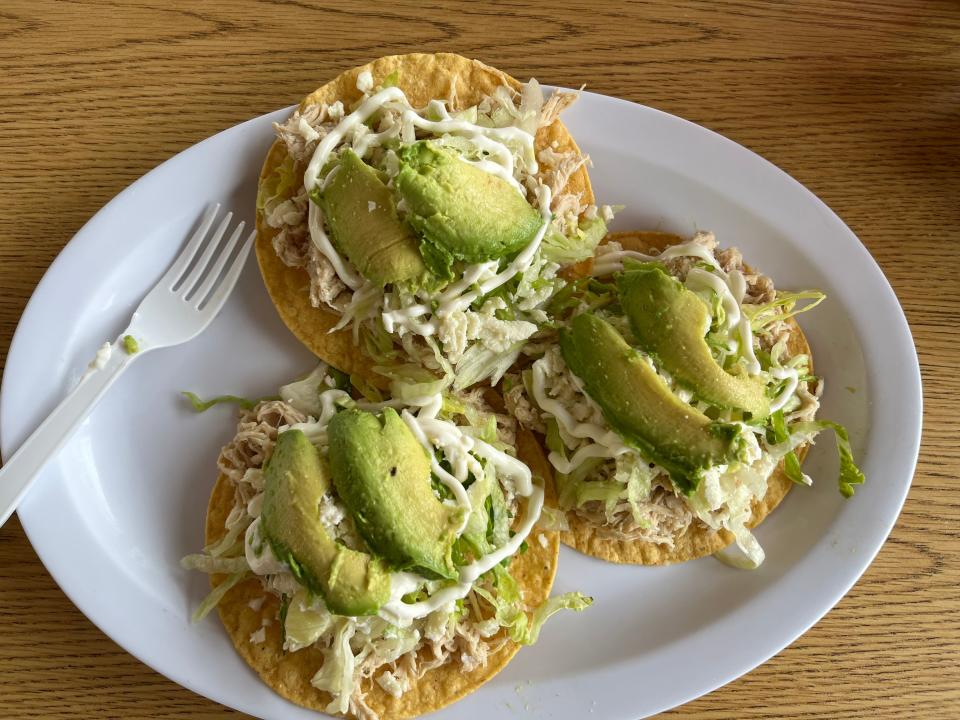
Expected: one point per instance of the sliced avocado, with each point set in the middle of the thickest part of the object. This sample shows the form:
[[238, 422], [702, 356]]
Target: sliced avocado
[[382, 474], [461, 212], [640, 407], [349, 581], [669, 322], [362, 217]]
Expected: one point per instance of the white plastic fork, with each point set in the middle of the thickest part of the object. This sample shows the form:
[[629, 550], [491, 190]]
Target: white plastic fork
[[179, 308]]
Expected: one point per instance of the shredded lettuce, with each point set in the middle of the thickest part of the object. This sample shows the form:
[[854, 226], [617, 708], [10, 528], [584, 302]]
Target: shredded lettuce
[[233, 538], [509, 610], [779, 433], [553, 519], [304, 623], [202, 405], [393, 643], [480, 363], [410, 382], [391, 80], [784, 306], [565, 250], [217, 594], [336, 675], [214, 565], [279, 184], [370, 392], [850, 474], [304, 394], [568, 601]]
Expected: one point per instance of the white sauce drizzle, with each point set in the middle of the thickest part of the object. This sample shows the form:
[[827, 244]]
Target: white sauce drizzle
[[351, 279], [730, 287], [793, 379], [602, 436], [498, 159], [322, 152], [400, 613], [460, 449]]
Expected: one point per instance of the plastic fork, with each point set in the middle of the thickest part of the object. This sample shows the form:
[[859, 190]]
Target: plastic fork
[[179, 308]]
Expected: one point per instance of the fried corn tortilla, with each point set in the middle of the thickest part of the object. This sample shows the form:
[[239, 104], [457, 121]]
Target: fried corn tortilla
[[698, 540], [289, 673], [422, 77]]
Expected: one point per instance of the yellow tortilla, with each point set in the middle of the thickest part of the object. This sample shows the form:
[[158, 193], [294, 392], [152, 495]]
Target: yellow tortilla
[[698, 540], [422, 77], [289, 673]]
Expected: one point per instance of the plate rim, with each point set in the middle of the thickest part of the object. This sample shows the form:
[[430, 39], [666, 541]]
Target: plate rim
[[860, 564]]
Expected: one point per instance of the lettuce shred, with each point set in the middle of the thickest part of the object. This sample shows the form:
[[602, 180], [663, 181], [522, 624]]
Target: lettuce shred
[[509, 610], [217, 594], [480, 362], [779, 433], [279, 184], [850, 474], [565, 250], [784, 306], [203, 405]]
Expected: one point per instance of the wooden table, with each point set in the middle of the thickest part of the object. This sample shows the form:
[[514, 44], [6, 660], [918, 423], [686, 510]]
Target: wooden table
[[860, 101]]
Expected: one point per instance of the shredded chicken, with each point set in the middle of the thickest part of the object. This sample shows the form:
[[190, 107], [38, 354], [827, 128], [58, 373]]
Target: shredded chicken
[[760, 289], [302, 130], [292, 245], [519, 405], [255, 438], [463, 642], [326, 288], [556, 104], [664, 517]]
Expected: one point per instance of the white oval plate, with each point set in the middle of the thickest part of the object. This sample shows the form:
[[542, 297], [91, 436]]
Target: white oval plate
[[113, 514]]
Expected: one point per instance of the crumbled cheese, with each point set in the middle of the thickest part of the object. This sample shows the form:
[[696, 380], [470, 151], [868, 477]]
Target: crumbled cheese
[[331, 514], [335, 111], [307, 132], [457, 329], [391, 684], [542, 539], [257, 603], [258, 636], [371, 206], [365, 81], [488, 628]]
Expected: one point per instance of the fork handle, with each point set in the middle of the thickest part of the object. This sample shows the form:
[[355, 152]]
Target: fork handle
[[19, 471]]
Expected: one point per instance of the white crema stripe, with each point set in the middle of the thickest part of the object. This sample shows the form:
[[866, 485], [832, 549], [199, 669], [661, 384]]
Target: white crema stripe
[[400, 613], [499, 160], [457, 296], [730, 287], [600, 435], [459, 448]]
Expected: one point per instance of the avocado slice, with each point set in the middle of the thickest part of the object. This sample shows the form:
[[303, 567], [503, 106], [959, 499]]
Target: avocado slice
[[382, 474], [640, 407], [349, 581], [460, 211], [362, 218], [668, 321]]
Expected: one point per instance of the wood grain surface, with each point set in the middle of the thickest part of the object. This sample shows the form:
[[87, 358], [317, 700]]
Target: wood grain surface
[[860, 101]]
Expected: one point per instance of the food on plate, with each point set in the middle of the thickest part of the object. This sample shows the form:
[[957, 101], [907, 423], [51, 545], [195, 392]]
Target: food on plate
[[416, 211], [677, 403], [378, 559]]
